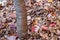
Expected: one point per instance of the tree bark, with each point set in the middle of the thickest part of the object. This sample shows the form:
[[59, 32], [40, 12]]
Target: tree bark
[[21, 18]]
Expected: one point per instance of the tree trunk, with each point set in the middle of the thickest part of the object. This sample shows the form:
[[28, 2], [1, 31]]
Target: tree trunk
[[21, 18]]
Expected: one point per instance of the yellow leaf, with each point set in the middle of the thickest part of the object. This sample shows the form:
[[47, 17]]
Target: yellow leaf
[[50, 0]]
